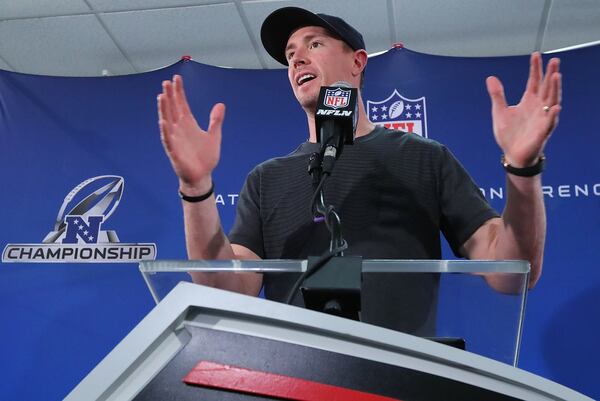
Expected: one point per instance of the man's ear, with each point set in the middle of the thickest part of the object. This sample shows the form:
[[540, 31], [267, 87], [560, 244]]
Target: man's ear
[[360, 62]]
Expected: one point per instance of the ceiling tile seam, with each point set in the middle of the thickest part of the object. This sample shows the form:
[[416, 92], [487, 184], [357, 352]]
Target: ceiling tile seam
[[162, 8], [541, 33], [394, 34], [111, 36], [33, 17], [253, 41], [95, 12], [71, 14], [193, 5]]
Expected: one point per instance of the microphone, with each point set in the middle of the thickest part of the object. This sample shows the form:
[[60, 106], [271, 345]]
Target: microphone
[[335, 120]]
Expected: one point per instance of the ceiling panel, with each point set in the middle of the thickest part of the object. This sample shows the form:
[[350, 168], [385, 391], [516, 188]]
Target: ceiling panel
[[571, 23], [212, 34], [41, 8], [371, 19], [4, 66], [154, 33], [112, 5], [469, 28], [74, 45]]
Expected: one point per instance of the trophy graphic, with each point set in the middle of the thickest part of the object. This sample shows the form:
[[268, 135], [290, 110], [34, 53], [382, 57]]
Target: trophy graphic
[[89, 205]]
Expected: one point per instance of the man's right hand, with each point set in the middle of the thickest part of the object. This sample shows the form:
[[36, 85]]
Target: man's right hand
[[194, 152]]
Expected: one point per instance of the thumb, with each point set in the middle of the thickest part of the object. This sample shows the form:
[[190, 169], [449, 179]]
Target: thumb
[[496, 92], [217, 115]]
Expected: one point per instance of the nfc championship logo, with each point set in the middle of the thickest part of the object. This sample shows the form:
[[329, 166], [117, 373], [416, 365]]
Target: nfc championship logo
[[400, 113], [78, 235], [336, 98]]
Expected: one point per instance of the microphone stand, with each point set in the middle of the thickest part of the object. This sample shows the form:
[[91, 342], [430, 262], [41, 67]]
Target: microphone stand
[[335, 290], [320, 166]]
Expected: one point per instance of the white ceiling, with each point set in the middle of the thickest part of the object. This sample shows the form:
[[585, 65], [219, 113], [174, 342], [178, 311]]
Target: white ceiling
[[85, 37]]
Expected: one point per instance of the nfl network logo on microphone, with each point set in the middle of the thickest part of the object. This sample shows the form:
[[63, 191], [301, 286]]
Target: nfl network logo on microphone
[[336, 98], [78, 235]]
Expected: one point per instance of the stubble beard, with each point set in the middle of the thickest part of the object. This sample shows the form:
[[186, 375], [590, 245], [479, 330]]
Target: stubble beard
[[308, 101]]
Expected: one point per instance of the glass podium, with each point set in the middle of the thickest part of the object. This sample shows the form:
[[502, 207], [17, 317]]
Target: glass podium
[[453, 297]]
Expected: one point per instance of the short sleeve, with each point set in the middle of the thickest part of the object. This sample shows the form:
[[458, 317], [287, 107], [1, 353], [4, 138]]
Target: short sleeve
[[247, 227], [463, 207]]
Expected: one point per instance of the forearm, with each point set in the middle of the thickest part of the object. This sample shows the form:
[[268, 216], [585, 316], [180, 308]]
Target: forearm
[[522, 233], [204, 235], [205, 239]]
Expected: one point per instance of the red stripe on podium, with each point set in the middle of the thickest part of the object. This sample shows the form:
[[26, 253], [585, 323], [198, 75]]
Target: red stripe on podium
[[232, 378]]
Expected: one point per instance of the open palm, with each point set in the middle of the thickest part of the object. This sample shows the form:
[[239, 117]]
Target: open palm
[[522, 130], [194, 152]]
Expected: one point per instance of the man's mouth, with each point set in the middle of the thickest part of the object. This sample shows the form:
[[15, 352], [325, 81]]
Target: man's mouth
[[302, 79]]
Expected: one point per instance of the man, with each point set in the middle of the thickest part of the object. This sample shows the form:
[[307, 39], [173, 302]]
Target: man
[[397, 201]]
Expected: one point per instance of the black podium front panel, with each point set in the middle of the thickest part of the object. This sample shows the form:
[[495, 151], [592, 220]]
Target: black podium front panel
[[298, 362]]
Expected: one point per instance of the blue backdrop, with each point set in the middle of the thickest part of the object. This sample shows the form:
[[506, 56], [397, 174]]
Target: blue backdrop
[[59, 320]]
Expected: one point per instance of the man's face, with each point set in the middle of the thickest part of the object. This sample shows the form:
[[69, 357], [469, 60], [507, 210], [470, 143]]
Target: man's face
[[316, 59]]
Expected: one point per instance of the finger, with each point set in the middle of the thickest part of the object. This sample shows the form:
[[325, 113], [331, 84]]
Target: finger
[[559, 89], [165, 124], [162, 102], [170, 97], [164, 109], [554, 93], [160, 113], [163, 113], [164, 135], [496, 92], [535, 72], [554, 113], [217, 115], [551, 68], [180, 97]]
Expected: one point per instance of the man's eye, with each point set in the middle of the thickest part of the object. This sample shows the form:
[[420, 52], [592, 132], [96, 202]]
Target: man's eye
[[315, 44], [290, 55]]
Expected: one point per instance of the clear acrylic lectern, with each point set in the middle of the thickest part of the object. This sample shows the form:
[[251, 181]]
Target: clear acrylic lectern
[[464, 305]]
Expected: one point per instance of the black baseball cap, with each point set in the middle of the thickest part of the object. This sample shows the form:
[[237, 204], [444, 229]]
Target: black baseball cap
[[280, 24]]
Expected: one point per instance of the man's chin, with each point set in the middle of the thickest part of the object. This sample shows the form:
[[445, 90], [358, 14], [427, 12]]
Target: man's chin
[[308, 103]]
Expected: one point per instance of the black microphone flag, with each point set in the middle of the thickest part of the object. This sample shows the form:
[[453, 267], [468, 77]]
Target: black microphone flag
[[336, 114]]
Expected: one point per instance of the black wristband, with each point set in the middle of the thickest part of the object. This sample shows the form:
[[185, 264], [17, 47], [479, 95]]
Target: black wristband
[[195, 199], [525, 171]]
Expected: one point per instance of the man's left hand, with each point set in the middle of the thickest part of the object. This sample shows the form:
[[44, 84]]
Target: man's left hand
[[522, 130]]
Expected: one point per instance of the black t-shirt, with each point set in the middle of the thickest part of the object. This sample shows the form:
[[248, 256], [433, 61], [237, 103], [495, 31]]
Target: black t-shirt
[[394, 193]]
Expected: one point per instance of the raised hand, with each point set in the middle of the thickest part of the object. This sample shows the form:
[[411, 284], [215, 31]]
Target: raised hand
[[194, 152], [522, 130]]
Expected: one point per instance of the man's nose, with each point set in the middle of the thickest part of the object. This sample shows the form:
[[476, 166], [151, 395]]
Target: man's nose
[[299, 58]]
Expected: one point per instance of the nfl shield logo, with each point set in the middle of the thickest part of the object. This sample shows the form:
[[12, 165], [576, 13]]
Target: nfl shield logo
[[399, 113], [336, 98]]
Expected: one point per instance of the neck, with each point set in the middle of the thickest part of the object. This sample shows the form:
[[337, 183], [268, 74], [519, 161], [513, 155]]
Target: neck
[[363, 128]]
